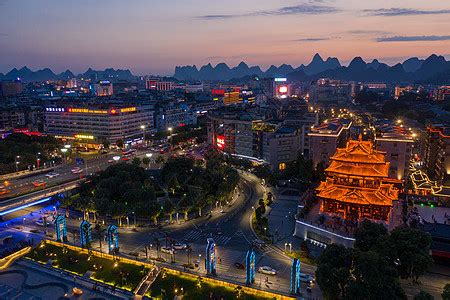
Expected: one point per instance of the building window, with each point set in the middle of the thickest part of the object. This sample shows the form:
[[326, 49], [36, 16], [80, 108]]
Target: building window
[[282, 166]]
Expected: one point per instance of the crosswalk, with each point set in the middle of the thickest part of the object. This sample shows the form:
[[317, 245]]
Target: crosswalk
[[198, 236]]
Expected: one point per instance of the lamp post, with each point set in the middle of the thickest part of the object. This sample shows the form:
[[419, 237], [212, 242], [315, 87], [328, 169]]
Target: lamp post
[[17, 163], [170, 130], [64, 150], [149, 156], [143, 134], [265, 231], [199, 261], [38, 160]]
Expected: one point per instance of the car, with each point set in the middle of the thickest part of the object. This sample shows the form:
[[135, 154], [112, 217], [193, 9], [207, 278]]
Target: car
[[267, 270], [306, 278], [179, 246], [167, 250], [51, 175], [258, 243], [110, 161], [125, 158], [239, 265], [76, 170]]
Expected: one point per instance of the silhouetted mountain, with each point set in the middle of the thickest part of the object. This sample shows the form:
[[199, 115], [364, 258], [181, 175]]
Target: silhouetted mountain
[[412, 64], [27, 75], [433, 69], [223, 72]]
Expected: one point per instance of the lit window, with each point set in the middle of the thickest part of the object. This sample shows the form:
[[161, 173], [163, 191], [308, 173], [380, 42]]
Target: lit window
[[282, 166]]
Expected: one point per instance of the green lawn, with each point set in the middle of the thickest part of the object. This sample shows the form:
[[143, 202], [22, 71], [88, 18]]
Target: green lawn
[[122, 275], [191, 289]]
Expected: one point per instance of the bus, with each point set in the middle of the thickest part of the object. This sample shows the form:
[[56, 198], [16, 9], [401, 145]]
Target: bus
[[128, 152]]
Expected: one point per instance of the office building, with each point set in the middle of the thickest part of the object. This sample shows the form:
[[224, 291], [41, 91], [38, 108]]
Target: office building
[[103, 88], [11, 88], [91, 125], [437, 153], [326, 138]]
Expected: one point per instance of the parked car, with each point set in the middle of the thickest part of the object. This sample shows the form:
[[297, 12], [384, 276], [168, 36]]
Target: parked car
[[167, 250], [306, 278], [179, 246], [51, 175], [76, 170], [239, 266], [258, 243], [267, 270]]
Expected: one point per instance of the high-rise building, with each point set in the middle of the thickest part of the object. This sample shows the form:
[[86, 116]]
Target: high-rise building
[[11, 88], [103, 88], [326, 138], [437, 153], [398, 148], [93, 124]]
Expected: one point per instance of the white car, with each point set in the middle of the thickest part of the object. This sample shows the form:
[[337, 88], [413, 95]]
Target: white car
[[307, 278], [76, 170], [51, 175], [180, 246], [267, 270], [167, 250]]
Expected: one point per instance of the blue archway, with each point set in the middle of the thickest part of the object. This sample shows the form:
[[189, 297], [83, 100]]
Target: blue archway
[[113, 238], [61, 228], [85, 234], [295, 276], [210, 261], [250, 266]]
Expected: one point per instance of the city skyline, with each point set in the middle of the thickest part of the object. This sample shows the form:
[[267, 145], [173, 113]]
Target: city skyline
[[152, 37]]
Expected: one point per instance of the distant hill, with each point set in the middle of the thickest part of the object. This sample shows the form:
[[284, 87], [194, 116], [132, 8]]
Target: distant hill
[[433, 69], [27, 75]]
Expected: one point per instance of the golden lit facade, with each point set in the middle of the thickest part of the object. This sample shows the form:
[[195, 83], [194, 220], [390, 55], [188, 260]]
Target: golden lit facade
[[357, 185]]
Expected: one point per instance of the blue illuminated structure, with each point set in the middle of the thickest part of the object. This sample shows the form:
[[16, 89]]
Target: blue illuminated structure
[[3, 213], [85, 234], [61, 228], [113, 238], [210, 261], [295, 276], [250, 266]]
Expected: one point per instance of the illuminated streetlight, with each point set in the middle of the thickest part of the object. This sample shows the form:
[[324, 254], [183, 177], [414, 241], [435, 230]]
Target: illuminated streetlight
[[143, 134], [17, 163], [64, 150]]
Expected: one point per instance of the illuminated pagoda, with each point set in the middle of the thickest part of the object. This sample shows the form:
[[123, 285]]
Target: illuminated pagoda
[[357, 186]]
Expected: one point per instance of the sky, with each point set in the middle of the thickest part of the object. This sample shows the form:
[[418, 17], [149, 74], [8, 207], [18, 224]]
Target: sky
[[153, 36]]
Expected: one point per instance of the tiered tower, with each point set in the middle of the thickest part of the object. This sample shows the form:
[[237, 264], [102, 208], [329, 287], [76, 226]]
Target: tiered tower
[[357, 185]]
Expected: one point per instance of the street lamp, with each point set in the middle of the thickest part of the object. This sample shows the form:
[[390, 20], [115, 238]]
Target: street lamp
[[64, 150], [199, 261], [67, 146], [143, 134], [265, 231], [38, 159], [17, 163]]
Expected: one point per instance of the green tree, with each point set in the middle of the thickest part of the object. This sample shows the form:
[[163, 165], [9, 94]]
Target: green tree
[[146, 161], [446, 292], [333, 271], [169, 208], [372, 277], [120, 144], [422, 295], [136, 161], [410, 250], [368, 235]]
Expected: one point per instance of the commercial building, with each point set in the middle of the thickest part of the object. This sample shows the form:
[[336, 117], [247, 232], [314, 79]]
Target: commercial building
[[248, 134], [329, 91], [172, 115], [157, 85], [94, 124], [443, 93], [10, 119], [398, 148], [357, 185], [326, 138], [437, 153], [103, 88], [11, 88]]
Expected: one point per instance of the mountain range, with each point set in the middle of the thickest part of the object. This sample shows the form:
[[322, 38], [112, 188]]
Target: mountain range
[[434, 69], [27, 75]]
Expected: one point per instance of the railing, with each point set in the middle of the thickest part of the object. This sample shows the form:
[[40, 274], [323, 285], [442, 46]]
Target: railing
[[8, 260]]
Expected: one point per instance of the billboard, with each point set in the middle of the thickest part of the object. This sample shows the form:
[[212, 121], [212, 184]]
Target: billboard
[[220, 142]]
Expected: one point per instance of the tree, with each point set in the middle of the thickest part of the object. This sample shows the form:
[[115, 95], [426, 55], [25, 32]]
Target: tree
[[120, 144], [368, 235], [333, 271], [422, 295], [146, 161], [409, 250], [446, 292], [136, 161], [99, 230], [169, 208], [372, 277]]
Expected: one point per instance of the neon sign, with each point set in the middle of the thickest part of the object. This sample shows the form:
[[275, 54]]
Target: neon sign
[[283, 89], [128, 109], [87, 111], [220, 142], [84, 137]]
